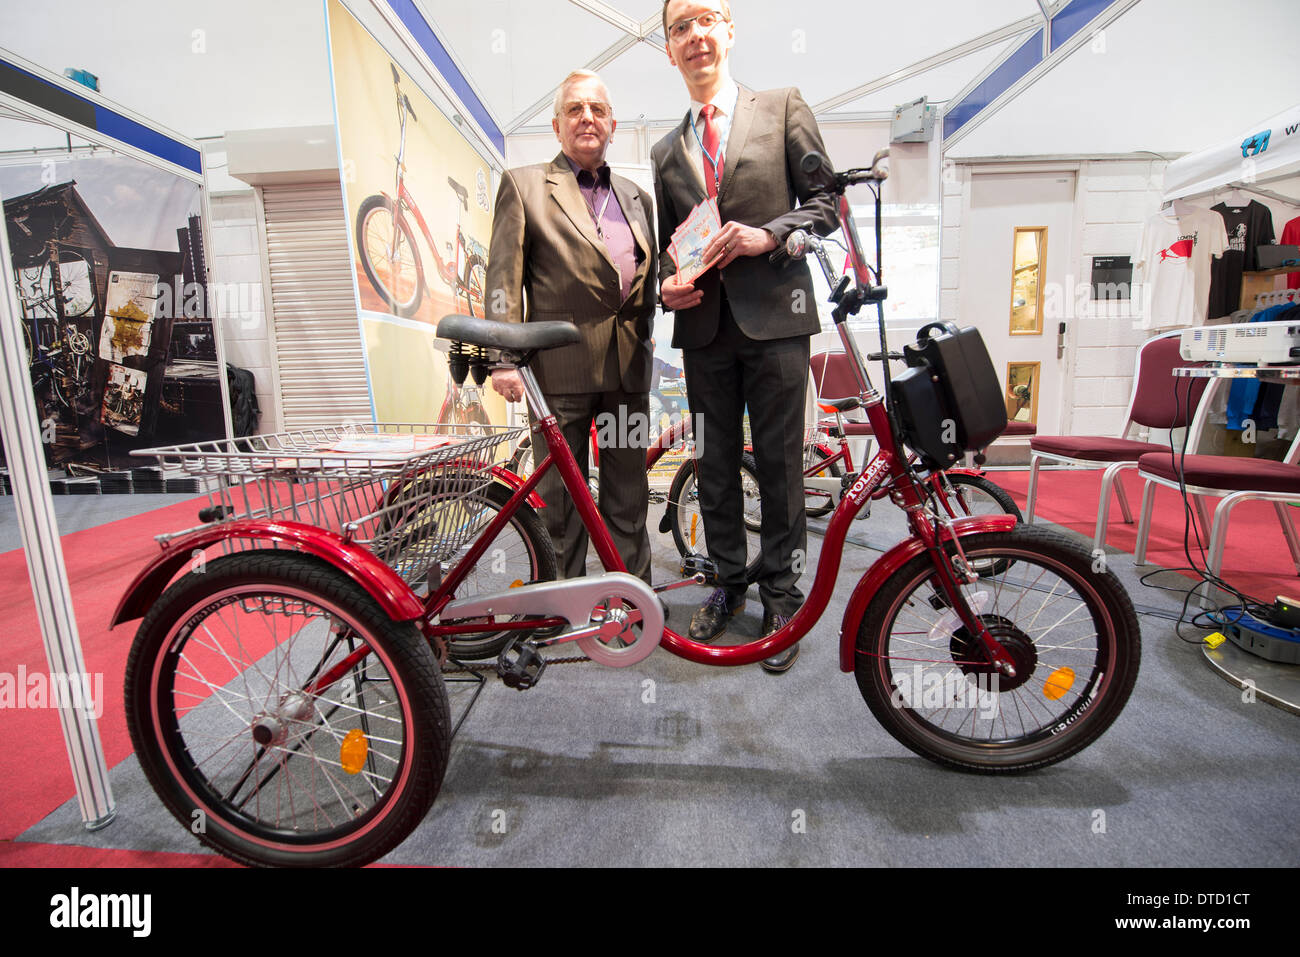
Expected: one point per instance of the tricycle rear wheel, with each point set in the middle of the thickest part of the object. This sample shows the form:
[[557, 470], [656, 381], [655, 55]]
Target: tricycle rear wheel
[[246, 745]]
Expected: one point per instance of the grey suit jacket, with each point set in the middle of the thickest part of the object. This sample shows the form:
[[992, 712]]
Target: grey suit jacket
[[762, 184], [545, 248]]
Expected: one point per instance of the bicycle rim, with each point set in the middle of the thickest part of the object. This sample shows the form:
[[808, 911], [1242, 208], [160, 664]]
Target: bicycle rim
[[1071, 633], [247, 749]]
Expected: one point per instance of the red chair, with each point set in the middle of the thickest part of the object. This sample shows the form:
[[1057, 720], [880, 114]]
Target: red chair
[[1153, 404], [1233, 479], [833, 379]]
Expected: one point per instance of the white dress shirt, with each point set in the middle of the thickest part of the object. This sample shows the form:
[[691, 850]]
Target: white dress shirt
[[724, 108]]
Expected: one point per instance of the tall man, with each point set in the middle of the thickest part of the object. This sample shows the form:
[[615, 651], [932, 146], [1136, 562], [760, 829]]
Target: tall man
[[579, 242], [743, 326]]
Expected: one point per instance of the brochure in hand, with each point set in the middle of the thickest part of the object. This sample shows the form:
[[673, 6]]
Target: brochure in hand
[[691, 239]]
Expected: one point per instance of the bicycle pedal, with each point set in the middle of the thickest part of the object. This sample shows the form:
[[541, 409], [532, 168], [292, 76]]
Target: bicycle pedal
[[693, 565], [523, 670]]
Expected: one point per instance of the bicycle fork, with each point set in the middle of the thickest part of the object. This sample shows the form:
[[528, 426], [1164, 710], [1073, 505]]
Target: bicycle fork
[[952, 574]]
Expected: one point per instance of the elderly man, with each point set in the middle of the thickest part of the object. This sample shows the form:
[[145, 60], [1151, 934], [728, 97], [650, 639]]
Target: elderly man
[[744, 325], [572, 241]]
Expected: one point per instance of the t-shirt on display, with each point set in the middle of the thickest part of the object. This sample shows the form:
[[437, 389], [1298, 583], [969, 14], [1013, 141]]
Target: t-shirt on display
[[1175, 262], [1291, 237], [1247, 226]]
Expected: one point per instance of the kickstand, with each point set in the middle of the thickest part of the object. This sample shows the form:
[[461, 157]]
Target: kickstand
[[468, 675]]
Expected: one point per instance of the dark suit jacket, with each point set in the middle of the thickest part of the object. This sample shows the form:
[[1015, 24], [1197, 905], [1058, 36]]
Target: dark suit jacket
[[761, 184], [544, 245]]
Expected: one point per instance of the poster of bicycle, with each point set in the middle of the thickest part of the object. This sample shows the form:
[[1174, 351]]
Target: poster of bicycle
[[419, 206], [102, 248]]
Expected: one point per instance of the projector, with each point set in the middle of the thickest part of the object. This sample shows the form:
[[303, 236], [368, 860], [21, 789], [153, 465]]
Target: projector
[[1258, 343]]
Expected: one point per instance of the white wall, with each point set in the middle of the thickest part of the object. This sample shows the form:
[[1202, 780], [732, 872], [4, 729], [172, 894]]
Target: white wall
[[1114, 198]]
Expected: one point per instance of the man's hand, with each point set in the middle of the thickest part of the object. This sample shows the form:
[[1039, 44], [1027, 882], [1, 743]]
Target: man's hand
[[736, 239], [679, 295], [508, 383]]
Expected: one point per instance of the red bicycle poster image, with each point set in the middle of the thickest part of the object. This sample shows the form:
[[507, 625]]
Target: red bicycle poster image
[[418, 200]]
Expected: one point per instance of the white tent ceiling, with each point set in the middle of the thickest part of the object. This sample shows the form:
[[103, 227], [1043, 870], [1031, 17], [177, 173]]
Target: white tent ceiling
[[1174, 74]]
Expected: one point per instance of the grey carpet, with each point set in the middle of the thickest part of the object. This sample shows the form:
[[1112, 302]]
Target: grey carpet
[[725, 764], [75, 513]]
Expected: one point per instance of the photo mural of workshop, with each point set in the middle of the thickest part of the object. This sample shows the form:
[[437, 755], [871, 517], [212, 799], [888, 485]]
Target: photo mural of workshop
[[119, 339]]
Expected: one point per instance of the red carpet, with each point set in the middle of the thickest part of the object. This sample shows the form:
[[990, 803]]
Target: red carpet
[[1256, 558], [69, 855], [101, 562]]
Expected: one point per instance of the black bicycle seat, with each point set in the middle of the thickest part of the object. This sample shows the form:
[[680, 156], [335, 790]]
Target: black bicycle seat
[[511, 336], [460, 191], [847, 404]]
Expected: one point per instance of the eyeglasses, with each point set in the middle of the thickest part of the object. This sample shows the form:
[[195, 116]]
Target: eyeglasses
[[575, 109], [707, 21]]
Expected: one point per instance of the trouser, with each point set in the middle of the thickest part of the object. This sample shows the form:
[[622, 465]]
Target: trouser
[[621, 420], [770, 378]]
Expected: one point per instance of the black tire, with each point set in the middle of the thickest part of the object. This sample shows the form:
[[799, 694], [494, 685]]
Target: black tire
[[977, 495], [968, 495], [476, 286], [1066, 692], [250, 760], [374, 231], [686, 522], [817, 504], [521, 553]]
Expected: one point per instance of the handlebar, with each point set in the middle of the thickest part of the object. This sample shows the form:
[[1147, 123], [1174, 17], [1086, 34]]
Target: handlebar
[[823, 175]]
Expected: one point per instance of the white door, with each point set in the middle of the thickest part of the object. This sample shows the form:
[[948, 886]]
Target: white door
[[997, 204]]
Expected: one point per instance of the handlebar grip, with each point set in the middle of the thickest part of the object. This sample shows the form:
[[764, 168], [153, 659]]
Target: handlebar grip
[[796, 244], [818, 169]]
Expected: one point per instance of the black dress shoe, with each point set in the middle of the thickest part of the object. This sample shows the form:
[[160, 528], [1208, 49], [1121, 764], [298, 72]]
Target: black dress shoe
[[778, 663], [710, 619]]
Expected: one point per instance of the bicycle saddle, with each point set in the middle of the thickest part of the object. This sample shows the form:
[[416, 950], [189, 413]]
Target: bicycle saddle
[[460, 191], [511, 336], [847, 404]]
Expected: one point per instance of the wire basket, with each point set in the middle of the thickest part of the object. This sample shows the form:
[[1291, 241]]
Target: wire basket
[[413, 494]]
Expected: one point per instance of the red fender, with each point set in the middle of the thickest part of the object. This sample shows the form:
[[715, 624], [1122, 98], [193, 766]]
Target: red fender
[[383, 584], [889, 564], [515, 482]]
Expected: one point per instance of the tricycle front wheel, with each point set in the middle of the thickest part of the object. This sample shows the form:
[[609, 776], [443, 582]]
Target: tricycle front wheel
[[1067, 624]]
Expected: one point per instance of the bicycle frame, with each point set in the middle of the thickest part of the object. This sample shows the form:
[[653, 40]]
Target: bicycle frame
[[887, 469]]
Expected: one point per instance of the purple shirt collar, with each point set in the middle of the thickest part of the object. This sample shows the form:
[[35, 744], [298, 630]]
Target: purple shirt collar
[[618, 238]]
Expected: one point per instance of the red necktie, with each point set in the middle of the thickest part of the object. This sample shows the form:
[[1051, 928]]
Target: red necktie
[[711, 149]]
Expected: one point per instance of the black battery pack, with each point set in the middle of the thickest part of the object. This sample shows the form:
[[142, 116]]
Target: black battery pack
[[949, 400]]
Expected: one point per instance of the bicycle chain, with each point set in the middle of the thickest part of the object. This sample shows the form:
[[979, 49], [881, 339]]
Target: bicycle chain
[[486, 666]]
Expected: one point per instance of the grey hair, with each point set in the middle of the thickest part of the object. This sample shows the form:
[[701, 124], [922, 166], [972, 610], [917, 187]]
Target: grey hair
[[573, 78]]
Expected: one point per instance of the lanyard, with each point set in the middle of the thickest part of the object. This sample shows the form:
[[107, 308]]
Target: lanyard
[[712, 162], [599, 218]]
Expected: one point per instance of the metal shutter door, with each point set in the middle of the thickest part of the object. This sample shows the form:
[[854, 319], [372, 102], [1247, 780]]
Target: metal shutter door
[[321, 369]]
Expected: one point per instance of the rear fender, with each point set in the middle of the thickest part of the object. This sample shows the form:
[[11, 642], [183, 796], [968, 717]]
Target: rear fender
[[889, 564], [383, 584], [516, 482]]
